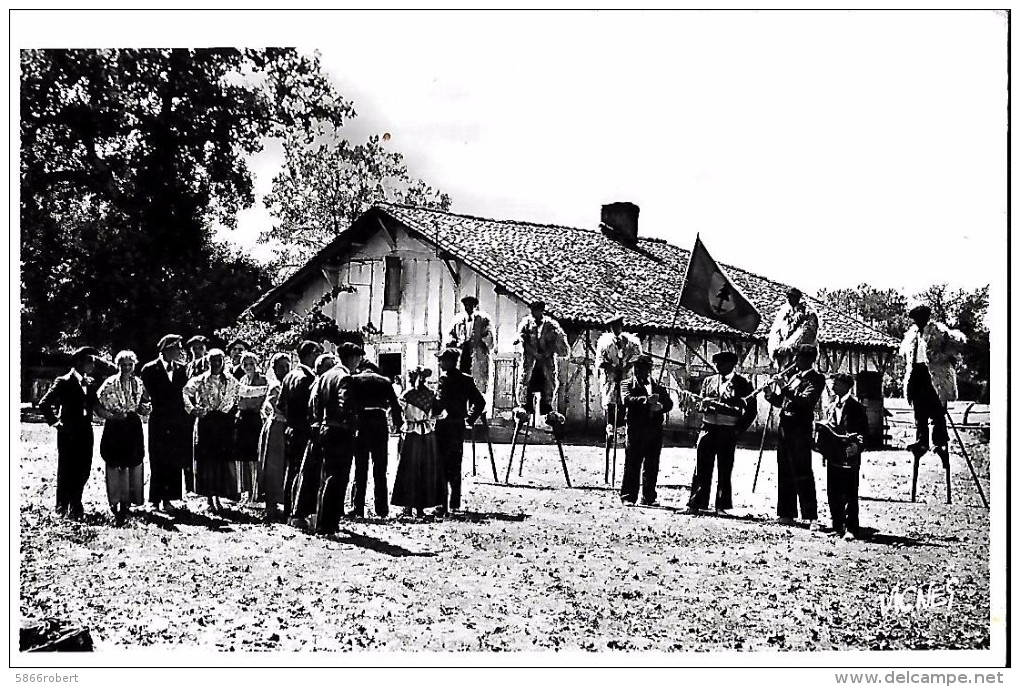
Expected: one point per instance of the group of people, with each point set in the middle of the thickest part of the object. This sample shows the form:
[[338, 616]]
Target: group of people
[[727, 404], [291, 436], [220, 427]]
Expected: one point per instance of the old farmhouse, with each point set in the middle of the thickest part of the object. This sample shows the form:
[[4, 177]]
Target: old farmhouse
[[410, 266]]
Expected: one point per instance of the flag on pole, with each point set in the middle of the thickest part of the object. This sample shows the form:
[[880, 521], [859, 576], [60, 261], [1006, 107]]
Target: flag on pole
[[709, 292]]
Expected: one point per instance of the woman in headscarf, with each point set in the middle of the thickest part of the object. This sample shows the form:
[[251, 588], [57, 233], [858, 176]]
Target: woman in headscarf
[[419, 482], [251, 394], [210, 397], [272, 440], [123, 401]]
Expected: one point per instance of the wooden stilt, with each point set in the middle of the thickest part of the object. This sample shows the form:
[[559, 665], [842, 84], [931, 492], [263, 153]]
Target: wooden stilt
[[488, 441]]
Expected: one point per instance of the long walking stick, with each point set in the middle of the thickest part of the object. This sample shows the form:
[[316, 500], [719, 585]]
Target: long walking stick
[[967, 457], [761, 448]]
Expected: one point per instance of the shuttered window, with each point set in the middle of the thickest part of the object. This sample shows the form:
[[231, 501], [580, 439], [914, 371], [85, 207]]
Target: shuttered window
[[391, 288]]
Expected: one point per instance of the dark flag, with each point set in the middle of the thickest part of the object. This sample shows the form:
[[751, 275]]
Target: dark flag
[[709, 292]]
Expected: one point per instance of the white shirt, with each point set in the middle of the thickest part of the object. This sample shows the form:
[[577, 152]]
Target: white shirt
[[168, 368], [837, 412]]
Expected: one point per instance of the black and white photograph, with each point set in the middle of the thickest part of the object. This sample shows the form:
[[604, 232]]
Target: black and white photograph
[[487, 339]]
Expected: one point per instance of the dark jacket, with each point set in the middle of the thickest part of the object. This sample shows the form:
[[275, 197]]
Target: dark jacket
[[371, 390], [331, 404], [294, 395], [166, 393], [68, 402], [459, 397], [798, 398], [854, 419], [639, 414]]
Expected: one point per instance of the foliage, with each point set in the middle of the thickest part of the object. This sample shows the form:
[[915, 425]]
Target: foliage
[[267, 338], [128, 158], [886, 310], [326, 183]]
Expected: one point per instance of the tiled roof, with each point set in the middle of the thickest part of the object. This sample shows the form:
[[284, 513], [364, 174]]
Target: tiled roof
[[585, 276]]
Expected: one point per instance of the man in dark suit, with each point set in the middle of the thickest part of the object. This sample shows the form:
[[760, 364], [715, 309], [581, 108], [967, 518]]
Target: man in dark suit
[[332, 407], [848, 420], [458, 406], [170, 426], [68, 406], [646, 403], [293, 405], [727, 414], [372, 396], [796, 398]]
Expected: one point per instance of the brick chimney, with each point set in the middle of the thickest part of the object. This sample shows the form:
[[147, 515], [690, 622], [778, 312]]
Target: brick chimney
[[620, 222]]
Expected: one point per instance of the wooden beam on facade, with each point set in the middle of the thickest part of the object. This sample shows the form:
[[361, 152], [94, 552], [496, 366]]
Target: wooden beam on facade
[[452, 265]]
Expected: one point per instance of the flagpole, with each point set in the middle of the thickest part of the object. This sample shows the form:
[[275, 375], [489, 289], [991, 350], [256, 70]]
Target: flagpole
[[676, 310]]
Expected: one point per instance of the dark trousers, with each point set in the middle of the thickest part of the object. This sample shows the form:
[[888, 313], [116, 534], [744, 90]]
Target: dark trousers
[[537, 385], [620, 416], [450, 446], [796, 477], [842, 485], [371, 443], [715, 442], [641, 466], [336, 446], [164, 481], [293, 451], [927, 406], [74, 463]]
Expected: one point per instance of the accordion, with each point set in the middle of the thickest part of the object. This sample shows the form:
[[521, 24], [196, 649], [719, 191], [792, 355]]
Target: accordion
[[833, 446]]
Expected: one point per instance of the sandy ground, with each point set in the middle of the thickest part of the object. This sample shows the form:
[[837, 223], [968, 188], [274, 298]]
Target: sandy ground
[[530, 566]]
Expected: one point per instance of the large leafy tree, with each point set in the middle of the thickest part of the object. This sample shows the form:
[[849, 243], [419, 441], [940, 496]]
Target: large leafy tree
[[326, 183], [128, 160]]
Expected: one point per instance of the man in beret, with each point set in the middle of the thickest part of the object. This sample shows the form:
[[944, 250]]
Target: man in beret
[[170, 425], [471, 334], [292, 404], [647, 403], [197, 347], [796, 325], [332, 410], [727, 412], [543, 340], [615, 353], [929, 350], [796, 397], [847, 420], [371, 398], [458, 405], [68, 407]]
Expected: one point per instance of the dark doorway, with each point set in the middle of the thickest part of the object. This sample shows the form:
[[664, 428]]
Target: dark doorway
[[390, 365]]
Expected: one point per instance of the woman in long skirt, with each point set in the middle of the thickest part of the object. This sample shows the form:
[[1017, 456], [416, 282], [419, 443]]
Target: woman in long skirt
[[210, 397], [272, 440], [419, 482], [123, 401], [251, 394]]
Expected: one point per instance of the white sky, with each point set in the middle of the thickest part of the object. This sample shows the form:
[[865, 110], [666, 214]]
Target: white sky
[[820, 149]]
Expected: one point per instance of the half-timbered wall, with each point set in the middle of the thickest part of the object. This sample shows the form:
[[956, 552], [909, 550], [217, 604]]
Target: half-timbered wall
[[432, 285]]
